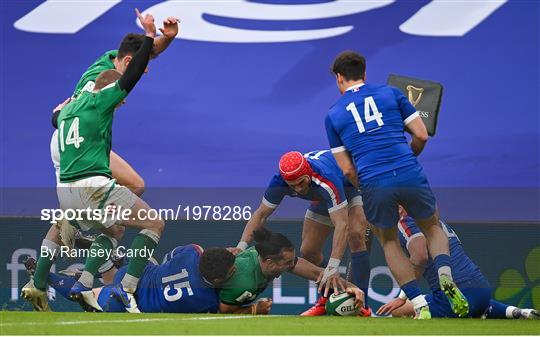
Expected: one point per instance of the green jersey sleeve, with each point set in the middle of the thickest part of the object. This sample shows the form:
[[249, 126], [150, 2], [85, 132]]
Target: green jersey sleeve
[[109, 97], [87, 80]]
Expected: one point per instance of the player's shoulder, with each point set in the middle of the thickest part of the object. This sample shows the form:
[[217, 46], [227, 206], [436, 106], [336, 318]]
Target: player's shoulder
[[277, 181], [110, 55]]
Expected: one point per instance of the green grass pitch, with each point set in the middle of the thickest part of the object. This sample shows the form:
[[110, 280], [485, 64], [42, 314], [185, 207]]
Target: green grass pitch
[[34, 323]]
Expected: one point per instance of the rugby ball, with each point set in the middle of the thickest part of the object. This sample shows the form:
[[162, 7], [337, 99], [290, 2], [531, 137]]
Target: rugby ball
[[341, 304]]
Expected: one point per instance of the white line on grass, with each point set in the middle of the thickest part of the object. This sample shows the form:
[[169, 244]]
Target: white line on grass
[[139, 320]]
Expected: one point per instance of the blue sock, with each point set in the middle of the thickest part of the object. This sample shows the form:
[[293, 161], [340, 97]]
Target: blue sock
[[411, 289], [360, 271], [61, 284], [496, 309]]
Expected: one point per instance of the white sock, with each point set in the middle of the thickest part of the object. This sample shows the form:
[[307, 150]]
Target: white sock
[[510, 311], [87, 279], [445, 270], [129, 283], [419, 301]]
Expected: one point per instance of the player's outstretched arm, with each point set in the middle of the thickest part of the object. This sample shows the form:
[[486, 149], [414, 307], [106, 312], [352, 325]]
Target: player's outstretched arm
[[309, 271], [169, 32], [139, 62], [261, 307], [330, 276], [257, 220], [419, 133]]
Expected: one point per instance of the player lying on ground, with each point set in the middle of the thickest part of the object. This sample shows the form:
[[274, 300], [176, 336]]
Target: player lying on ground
[[193, 290], [467, 275], [84, 137], [272, 255], [121, 171], [365, 130], [187, 281], [335, 205]]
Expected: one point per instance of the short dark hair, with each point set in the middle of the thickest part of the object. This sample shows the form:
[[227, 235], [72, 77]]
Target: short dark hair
[[271, 245], [350, 65], [215, 263], [107, 77], [130, 44]]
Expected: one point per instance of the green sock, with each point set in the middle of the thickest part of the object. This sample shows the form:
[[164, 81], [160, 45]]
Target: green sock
[[146, 241], [99, 251], [41, 274], [47, 254]]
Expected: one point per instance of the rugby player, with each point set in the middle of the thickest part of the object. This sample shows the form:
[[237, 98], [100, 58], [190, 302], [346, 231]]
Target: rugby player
[[335, 205], [467, 275], [84, 137], [272, 255], [187, 281], [35, 290], [195, 289], [365, 129]]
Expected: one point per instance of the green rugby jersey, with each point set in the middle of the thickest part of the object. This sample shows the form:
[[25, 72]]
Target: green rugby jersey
[[104, 62], [85, 133], [247, 282]]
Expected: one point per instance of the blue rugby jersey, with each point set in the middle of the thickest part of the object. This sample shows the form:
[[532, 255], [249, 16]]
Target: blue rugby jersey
[[369, 122]]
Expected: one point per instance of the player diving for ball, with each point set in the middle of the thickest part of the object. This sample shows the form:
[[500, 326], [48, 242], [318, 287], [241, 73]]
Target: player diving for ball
[[192, 281], [467, 276], [366, 131], [121, 171], [335, 205]]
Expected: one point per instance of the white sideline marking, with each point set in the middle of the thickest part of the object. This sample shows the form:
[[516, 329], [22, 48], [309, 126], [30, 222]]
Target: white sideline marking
[[140, 320]]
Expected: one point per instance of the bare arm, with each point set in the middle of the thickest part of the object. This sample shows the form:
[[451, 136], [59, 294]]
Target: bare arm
[[346, 165], [419, 134], [341, 228], [258, 219], [261, 307], [169, 31]]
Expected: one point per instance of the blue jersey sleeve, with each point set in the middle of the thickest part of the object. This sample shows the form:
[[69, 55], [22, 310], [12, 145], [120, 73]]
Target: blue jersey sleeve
[[407, 110], [407, 230], [331, 190], [333, 137], [275, 192]]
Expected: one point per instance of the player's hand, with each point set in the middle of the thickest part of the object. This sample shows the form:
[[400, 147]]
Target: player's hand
[[263, 306], [147, 23], [235, 250], [359, 296], [330, 278], [62, 105], [391, 306], [170, 27]]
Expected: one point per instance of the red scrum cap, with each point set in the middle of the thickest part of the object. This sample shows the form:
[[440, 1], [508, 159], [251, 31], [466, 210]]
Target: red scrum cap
[[293, 165]]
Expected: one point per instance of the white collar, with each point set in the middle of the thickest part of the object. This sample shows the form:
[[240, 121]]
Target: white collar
[[355, 86]]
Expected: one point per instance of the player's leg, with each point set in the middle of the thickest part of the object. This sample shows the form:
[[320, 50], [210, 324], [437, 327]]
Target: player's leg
[[315, 231], [99, 251], [35, 291], [381, 210], [317, 228], [125, 174], [146, 241], [360, 265], [501, 310], [417, 198]]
